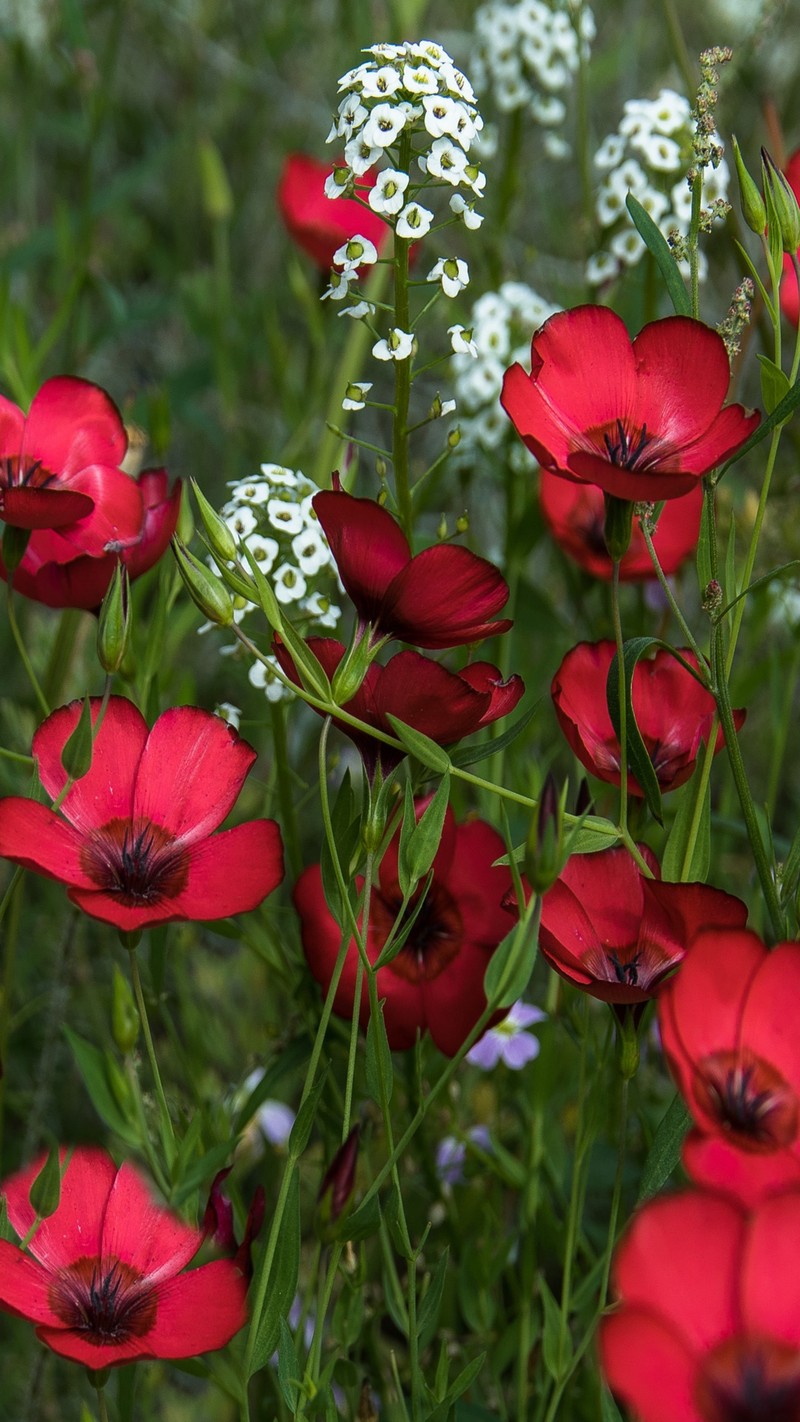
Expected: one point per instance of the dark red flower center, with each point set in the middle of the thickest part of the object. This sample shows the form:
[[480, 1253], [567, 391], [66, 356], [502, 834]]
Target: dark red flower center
[[135, 859], [749, 1099], [435, 937], [641, 965], [22, 471], [104, 1300], [624, 448], [750, 1380]]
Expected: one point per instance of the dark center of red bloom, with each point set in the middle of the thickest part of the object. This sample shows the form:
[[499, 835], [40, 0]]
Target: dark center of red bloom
[[435, 937], [19, 472], [750, 1380], [640, 965], [135, 859], [749, 1099], [622, 448], [104, 1300]]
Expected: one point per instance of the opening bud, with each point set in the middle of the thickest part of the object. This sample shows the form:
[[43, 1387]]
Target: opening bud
[[352, 669], [206, 592], [545, 853], [221, 540], [124, 1013], [753, 210], [336, 1190], [782, 204]]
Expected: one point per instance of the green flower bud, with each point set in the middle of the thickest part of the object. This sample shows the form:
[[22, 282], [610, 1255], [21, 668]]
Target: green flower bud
[[124, 1013], [45, 1192], [617, 531], [76, 756], [545, 854], [217, 196], [219, 537], [206, 592], [113, 625], [753, 209], [783, 203], [351, 670]]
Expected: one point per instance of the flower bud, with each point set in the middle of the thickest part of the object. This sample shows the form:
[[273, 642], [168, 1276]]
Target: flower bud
[[454, 437], [124, 1014], [753, 209], [204, 589], [441, 532], [113, 624], [219, 537], [45, 1192], [462, 524], [76, 757], [617, 530], [351, 670], [544, 851], [783, 203], [336, 1190], [217, 196]]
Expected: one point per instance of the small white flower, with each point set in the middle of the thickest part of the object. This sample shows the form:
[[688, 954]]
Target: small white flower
[[361, 308], [241, 521], [311, 551], [264, 550], [251, 491], [610, 205], [284, 516], [323, 611], [555, 146], [610, 152], [266, 679], [414, 221], [338, 183], [398, 345], [360, 155], [355, 395], [279, 476], [601, 267], [288, 583], [474, 178], [452, 273], [357, 252], [446, 408], [456, 82], [230, 713], [441, 115], [659, 152], [461, 340], [470, 218], [386, 198], [383, 126], [446, 161], [420, 79], [628, 246], [548, 111], [339, 285], [352, 113], [381, 83]]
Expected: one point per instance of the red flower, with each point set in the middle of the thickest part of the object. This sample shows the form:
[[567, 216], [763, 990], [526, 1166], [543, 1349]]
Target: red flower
[[642, 419], [444, 705], [59, 467], [617, 934], [575, 515], [317, 223], [101, 1278], [708, 1327], [55, 573], [673, 713], [134, 840], [435, 983], [441, 598], [790, 302], [729, 1033]]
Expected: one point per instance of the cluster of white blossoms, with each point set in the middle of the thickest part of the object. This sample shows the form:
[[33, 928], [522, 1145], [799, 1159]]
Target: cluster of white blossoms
[[502, 324], [649, 155], [272, 516], [526, 55], [408, 112]]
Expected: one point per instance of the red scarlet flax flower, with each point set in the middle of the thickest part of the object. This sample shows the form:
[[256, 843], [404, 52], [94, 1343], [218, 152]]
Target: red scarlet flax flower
[[642, 419], [708, 1323], [443, 597], [102, 1277], [445, 706], [673, 712], [59, 467], [790, 300], [730, 1037], [616, 934], [435, 983], [134, 838], [575, 515]]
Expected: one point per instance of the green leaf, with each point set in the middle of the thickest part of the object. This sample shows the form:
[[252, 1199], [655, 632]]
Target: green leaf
[[283, 1278], [426, 751], [103, 1081], [365, 1221], [419, 841], [590, 838], [306, 1116], [774, 382], [677, 846], [288, 1369], [430, 1308], [45, 1191], [471, 755], [201, 1170], [658, 246], [510, 966], [665, 1152], [779, 415], [609, 1412], [552, 1332], [380, 1076], [704, 546], [346, 827]]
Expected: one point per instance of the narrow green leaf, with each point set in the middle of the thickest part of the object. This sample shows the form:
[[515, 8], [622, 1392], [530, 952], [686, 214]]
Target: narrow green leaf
[[638, 759], [104, 1088], [365, 1221], [463, 756], [704, 547], [658, 246], [674, 865], [510, 966], [665, 1152], [426, 751], [45, 1191], [306, 1116], [418, 851], [774, 382], [430, 1308], [609, 1410], [458, 1386], [283, 1279], [380, 1076], [552, 1331], [288, 1370]]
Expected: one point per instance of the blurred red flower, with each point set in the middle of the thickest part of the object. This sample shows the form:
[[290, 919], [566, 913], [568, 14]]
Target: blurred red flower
[[443, 597], [732, 1044], [708, 1323], [790, 302], [643, 420], [133, 839], [673, 713], [101, 1277], [435, 983], [575, 515], [616, 934], [55, 573], [317, 223], [445, 706], [59, 467]]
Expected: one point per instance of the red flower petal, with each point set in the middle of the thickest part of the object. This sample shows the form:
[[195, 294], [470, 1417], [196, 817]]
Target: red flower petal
[[454, 1000], [106, 791], [503, 695], [77, 1347], [35, 837], [318, 224], [199, 1311], [770, 1284], [477, 886], [190, 772], [445, 598], [670, 400], [575, 515], [665, 480], [74, 1230], [140, 1232], [368, 545], [25, 1286], [12, 425], [718, 1164], [232, 872], [767, 1029], [649, 1366], [73, 424], [25, 506], [116, 520]]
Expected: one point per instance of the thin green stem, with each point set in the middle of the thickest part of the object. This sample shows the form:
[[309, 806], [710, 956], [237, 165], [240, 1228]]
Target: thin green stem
[[413, 1342], [102, 1410], [623, 714], [402, 393], [576, 1192], [289, 825], [23, 652], [12, 898], [678, 43], [694, 243], [617, 1195], [168, 1143], [668, 593]]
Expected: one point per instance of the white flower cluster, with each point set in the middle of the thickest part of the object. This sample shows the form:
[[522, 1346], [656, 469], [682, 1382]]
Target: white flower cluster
[[502, 324], [649, 156], [272, 515], [526, 55]]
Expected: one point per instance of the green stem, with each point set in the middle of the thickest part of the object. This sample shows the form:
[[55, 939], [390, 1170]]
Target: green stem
[[576, 1192], [694, 241], [102, 1410], [668, 593], [678, 43], [23, 653], [289, 826], [168, 1142], [13, 898], [617, 1195], [61, 653], [623, 715], [413, 1342]]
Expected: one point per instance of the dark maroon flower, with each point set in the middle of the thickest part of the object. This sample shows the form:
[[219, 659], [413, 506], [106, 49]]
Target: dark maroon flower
[[790, 303], [730, 1037], [445, 706], [59, 467], [338, 1183], [55, 573], [435, 983], [643, 420], [708, 1323], [673, 712], [134, 838], [102, 1278], [575, 515], [317, 223], [218, 1223], [616, 934], [443, 597]]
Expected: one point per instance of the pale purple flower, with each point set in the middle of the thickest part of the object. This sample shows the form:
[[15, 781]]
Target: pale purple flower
[[452, 1152], [508, 1041]]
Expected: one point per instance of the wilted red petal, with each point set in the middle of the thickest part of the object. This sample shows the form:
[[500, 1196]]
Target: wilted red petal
[[106, 791], [503, 695], [190, 773]]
